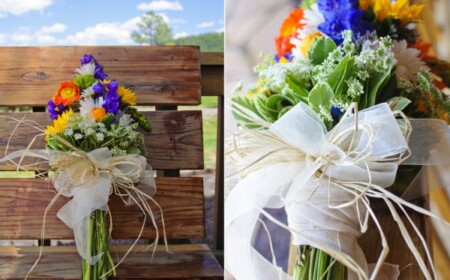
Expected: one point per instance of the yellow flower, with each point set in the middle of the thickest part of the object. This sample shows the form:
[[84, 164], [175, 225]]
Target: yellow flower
[[59, 124], [306, 43], [397, 10], [127, 96], [98, 113]]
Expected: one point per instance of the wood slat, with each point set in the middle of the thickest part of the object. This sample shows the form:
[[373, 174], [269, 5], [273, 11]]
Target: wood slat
[[176, 140], [158, 74], [23, 202], [212, 74], [184, 262]]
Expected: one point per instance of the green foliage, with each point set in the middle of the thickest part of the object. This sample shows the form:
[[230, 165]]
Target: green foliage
[[153, 30], [321, 96], [320, 48], [208, 42]]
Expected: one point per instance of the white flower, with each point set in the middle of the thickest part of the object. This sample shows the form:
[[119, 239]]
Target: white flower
[[408, 62], [100, 136], [125, 120], [89, 103], [89, 92], [68, 131], [78, 136], [311, 19], [86, 69]]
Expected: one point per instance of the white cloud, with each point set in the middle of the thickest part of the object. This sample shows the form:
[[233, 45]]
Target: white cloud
[[220, 30], [180, 35], [55, 28], [106, 32], [19, 7], [22, 36], [205, 24], [160, 5], [46, 39]]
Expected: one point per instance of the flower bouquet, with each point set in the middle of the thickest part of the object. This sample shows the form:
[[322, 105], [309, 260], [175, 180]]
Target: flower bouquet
[[345, 101], [95, 150]]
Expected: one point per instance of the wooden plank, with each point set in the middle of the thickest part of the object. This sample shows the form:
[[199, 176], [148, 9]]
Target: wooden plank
[[176, 140], [212, 74], [184, 262], [158, 74], [23, 202]]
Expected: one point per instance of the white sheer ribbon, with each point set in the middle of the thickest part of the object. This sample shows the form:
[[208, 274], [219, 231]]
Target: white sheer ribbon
[[323, 180]]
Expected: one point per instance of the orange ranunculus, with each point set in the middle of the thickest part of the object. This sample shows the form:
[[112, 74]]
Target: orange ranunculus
[[283, 45], [68, 93], [98, 113]]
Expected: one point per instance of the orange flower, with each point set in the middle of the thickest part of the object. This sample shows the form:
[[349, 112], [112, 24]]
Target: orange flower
[[98, 113], [287, 31], [68, 93]]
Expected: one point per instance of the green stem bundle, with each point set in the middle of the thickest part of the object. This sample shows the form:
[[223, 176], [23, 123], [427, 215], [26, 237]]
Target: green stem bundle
[[315, 264], [98, 243]]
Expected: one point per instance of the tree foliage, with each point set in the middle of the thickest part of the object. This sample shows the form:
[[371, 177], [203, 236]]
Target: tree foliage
[[208, 42], [153, 30]]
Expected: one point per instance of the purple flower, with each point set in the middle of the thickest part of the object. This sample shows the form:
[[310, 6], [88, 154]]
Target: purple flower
[[87, 58], [54, 110], [289, 56], [98, 72], [112, 102], [98, 88]]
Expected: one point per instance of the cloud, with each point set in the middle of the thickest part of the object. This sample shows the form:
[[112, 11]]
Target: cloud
[[105, 33], [160, 5], [180, 35], [19, 7], [22, 36], [220, 30], [205, 24], [54, 28]]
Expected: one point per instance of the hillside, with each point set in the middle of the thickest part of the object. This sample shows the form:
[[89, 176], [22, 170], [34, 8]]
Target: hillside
[[208, 42]]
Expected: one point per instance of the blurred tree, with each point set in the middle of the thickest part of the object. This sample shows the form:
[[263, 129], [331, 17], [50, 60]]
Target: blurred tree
[[153, 30], [208, 42]]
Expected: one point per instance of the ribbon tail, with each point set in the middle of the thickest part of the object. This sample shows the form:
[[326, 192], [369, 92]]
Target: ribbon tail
[[244, 204]]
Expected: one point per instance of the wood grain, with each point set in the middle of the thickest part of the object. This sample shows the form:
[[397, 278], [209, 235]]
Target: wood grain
[[184, 262], [158, 74], [212, 74], [176, 140], [23, 202]]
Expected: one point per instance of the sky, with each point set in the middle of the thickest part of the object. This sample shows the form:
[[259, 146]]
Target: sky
[[100, 22]]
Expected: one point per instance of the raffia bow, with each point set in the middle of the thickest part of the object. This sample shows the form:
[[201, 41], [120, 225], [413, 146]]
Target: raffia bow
[[323, 180]]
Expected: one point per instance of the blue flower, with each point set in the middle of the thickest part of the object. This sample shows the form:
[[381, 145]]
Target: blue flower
[[54, 110], [342, 15], [112, 102], [98, 72], [336, 113], [87, 58]]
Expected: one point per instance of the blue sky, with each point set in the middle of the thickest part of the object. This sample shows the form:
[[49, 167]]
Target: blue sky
[[100, 22]]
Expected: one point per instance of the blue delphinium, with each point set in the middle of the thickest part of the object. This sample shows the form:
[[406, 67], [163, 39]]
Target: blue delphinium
[[98, 72], [342, 15]]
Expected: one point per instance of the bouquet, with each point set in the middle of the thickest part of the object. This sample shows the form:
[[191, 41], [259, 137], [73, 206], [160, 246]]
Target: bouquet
[[347, 98], [95, 150]]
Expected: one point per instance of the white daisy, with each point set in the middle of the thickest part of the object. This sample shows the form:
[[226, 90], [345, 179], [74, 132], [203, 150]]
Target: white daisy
[[89, 92], [311, 20], [408, 62], [89, 103], [86, 69]]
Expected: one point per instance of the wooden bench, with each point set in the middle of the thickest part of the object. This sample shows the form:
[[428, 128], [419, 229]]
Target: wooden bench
[[161, 76]]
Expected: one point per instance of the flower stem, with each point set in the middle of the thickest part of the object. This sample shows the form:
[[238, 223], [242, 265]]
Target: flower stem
[[86, 264]]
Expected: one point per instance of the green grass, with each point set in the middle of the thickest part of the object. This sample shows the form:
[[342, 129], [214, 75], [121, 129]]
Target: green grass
[[209, 102], [210, 140]]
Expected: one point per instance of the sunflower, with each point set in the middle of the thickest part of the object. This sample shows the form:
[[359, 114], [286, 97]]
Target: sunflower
[[398, 10], [127, 95], [59, 124]]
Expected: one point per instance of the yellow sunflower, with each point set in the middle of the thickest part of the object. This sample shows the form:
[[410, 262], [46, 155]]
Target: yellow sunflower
[[127, 95], [59, 124], [397, 10]]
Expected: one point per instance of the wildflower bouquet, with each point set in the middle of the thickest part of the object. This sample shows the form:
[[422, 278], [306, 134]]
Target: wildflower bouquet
[[95, 150], [325, 128]]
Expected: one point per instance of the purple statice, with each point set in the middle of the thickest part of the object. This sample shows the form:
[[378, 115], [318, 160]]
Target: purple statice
[[98, 72], [342, 15], [112, 102], [54, 110]]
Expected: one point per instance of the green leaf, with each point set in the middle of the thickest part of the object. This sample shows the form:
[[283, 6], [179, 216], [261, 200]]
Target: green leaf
[[321, 95], [108, 120], [398, 103], [284, 111], [341, 73], [133, 150], [319, 49], [376, 83]]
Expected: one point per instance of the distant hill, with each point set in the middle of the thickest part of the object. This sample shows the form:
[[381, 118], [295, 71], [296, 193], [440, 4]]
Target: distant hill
[[208, 42]]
